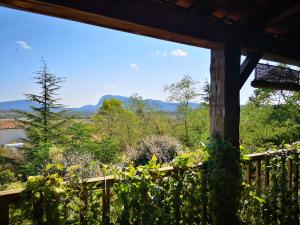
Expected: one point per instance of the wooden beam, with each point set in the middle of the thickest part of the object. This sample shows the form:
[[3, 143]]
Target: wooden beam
[[150, 18], [272, 48], [284, 14], [248, 66], [225, 93], [206, 7], [144, 17]]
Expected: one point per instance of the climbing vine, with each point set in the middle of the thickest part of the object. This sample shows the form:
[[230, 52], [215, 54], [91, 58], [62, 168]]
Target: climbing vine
[[190, 193]]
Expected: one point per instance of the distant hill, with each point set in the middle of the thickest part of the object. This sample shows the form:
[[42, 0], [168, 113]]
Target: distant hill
[[158, 104], [25, 105]]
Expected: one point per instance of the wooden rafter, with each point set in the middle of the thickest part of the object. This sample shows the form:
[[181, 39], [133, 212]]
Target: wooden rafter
[[248, 66], [284, 14]]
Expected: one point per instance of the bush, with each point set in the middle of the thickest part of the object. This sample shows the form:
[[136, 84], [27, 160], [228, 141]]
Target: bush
[[7, 177], [83, 164], [165, 148], [107, 151]]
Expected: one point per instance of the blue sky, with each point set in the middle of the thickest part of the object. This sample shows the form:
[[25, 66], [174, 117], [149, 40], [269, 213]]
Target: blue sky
[[95, 61]]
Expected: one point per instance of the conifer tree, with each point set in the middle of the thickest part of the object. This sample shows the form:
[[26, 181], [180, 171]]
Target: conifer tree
[[43, 124], [205, 95]]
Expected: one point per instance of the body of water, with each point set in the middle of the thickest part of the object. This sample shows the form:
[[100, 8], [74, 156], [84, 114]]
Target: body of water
[[11, 135]]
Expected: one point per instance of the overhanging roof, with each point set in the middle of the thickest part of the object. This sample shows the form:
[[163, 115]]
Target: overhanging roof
[[271, 27]]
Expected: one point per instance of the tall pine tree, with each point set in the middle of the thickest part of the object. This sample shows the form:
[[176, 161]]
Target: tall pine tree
[[43, 124]]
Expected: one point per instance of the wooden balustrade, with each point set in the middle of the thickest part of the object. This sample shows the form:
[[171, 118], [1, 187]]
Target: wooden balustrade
[[260, 172], [257, 170]]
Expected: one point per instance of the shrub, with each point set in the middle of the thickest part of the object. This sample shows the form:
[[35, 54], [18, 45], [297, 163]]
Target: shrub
[[165, 148], [7, 177], [83, 164], [107, 151]]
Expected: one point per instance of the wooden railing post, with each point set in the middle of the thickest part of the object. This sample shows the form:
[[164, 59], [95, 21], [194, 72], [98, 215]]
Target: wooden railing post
[[267, 171], [290, 173], [258, 176], [106, 205], [4, 214], [249, 174], [83, 211]]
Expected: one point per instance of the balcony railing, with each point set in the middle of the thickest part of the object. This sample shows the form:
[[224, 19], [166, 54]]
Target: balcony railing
[[256, 171]]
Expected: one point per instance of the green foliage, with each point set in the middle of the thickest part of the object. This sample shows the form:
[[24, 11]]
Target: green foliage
[[137, 104], [6, 178], [277, 204], [198, 120], [107, 151], [224, 182], [109, 118], [270, 118], [79, 138], [148, 195], [176, 199], [48, 200], [183, 92]]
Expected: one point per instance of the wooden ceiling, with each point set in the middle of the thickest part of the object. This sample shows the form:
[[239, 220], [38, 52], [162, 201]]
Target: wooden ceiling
[[278, 19], [271, 27]]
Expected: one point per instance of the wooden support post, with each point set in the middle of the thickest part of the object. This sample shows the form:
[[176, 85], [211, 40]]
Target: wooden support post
[[4, 214], [224, 119], [225, 93]]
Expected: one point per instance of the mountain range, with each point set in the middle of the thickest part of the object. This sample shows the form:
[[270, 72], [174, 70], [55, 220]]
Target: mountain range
[[25, 105]]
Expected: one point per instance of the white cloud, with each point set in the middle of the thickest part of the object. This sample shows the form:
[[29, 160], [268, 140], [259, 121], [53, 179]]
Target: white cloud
[[179, 53], [24, 44], [134, 66]]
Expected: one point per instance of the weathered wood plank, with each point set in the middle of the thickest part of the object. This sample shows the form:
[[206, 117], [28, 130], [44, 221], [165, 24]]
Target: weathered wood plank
[[290, 173], [248, 172], [10, 196], [258, 176], [267, 171], [4, 214], [224, 123], [225, 93]]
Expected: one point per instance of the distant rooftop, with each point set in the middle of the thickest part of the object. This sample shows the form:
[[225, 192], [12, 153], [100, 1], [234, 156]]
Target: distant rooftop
[[9, 124]]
